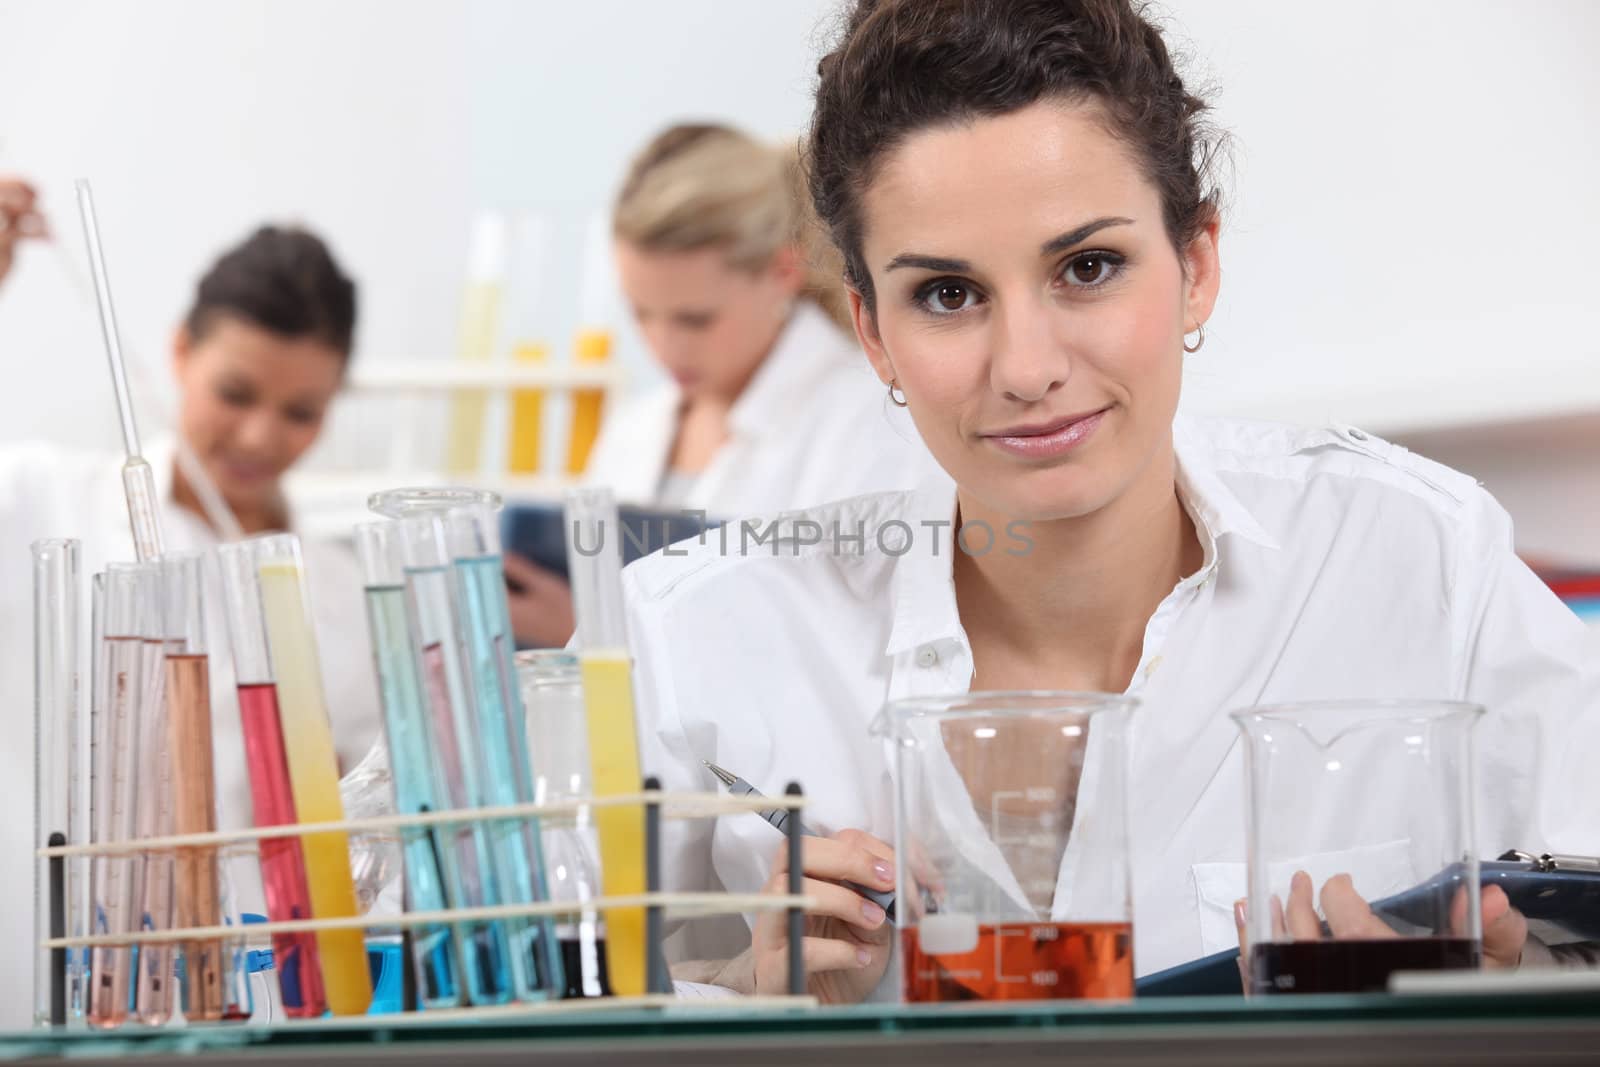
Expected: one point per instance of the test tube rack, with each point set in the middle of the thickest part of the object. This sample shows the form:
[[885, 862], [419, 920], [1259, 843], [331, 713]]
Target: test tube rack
[[659, 905]]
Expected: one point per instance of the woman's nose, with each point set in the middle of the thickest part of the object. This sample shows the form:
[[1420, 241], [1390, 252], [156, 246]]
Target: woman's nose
[[1026, 357], [257, 431], [669, 343]]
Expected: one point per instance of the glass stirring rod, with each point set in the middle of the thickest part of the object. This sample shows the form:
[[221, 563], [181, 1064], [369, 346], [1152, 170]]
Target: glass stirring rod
[[779, 817], [138, 478]]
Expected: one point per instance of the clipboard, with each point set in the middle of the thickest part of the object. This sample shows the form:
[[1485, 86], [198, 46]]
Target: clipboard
[[1563, 891], [538, 532]]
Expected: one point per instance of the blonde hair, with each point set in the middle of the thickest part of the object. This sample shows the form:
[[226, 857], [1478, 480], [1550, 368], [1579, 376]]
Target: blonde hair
[[702, 185]]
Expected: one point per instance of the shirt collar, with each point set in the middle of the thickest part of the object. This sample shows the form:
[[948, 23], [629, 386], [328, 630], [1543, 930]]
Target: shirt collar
[[808, 346], [923, 583], [1217, 511]]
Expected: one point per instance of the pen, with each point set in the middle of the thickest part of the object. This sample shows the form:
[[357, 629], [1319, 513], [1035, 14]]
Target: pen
[[779, 818]]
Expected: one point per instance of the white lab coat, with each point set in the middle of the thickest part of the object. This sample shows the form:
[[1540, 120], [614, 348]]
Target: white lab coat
[[1336, 566], [814, 424], [47, 491]]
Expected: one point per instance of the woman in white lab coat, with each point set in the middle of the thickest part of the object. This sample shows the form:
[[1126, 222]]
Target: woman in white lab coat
[[768, 405], [1031, 249], [257, 362]]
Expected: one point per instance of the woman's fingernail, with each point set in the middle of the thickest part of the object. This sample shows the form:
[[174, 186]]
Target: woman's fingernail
[[1239, 913], [863, 957], [883, 872], [871, 912]]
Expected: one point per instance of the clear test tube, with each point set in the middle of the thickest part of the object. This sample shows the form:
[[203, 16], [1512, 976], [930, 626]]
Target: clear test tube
[[116, 785], [197, 889], [411, 761], [94, 749], [481, 856], [472, 537], [239, 999], [57, 588], [313, 766], [558, 733], [283, 870], [594, 564], [156, 993]]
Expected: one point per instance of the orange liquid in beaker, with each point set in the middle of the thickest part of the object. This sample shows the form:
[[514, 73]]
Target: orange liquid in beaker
[[1025, 961]]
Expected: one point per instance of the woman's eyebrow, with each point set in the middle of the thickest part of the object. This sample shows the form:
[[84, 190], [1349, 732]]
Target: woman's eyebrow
[[1049, 248], [1066, 240], [940, 263]]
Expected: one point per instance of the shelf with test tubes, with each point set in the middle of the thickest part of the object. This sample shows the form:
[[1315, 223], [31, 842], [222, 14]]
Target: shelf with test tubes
[[657, 906], [461, 782]]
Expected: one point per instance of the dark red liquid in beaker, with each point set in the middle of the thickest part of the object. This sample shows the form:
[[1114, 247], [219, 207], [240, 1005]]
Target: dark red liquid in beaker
[[1353, 966]]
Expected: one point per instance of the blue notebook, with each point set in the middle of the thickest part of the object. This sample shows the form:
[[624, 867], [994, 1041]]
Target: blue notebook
[[1567, 898]]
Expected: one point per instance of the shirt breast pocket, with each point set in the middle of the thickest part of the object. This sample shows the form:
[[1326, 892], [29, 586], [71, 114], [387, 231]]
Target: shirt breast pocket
[[1378, 871]]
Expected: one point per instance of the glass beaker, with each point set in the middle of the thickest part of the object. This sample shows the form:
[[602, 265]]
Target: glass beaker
[[552, 698], [1011, 851], [1373, 801], [404, 503]]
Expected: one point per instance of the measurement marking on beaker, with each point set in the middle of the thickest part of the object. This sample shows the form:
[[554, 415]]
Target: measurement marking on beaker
[[1000, 934], [1045, 819], [1036, 934], [994, 816]]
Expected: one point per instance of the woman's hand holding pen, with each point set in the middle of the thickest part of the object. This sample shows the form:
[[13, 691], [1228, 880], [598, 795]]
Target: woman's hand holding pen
[[847, 938]]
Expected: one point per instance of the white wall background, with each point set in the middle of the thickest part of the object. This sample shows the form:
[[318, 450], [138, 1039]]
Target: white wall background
[[1410, 243], [385, 125]]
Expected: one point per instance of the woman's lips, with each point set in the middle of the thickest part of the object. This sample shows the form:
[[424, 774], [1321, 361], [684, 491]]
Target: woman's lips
[[1047, 441], [246, 472]]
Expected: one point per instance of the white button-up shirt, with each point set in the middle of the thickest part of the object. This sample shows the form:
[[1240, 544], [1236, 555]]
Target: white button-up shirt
[[812, 425], [1336, 565]]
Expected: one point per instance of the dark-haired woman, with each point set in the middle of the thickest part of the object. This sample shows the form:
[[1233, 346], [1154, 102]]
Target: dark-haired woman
[[1018, 191], [257, 363]]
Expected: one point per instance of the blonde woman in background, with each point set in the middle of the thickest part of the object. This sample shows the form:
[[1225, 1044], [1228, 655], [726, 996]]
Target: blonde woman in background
[[769, 405]]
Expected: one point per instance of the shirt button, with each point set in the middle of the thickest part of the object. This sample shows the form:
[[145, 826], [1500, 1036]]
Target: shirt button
[[926, 656], [1150, 668], [1357, 435]]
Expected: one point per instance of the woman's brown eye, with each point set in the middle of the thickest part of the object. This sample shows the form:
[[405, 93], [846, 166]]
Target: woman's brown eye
[[951, 297], [1087, 271]]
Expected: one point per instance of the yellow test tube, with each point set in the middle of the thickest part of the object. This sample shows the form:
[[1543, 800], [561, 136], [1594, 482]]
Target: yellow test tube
[[480, 327], [527, 414], [594, 564], [313, 767], [593, 349]]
